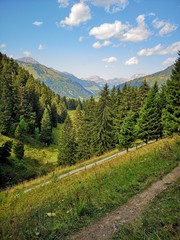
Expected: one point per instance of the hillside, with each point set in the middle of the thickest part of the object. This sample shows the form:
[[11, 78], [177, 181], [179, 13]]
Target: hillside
[[159, 77], [64, 84], [66, 205]]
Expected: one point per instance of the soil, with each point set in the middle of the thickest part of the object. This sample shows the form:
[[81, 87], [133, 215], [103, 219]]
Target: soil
[[105, 228]]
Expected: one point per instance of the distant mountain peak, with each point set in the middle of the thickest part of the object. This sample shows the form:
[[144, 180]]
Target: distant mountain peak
[[28, 60]]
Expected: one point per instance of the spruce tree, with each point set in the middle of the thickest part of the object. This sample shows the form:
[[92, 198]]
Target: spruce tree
[[127, 135], [171, 112], [149, 125], [67, 151], [103, 134], [46, 128]]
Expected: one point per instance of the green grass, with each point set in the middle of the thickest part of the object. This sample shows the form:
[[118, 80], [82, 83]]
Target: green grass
[[82, 198], [160, 221]]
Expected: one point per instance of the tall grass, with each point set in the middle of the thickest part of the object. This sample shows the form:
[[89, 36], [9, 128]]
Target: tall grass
[[62, 207], [150, 225]]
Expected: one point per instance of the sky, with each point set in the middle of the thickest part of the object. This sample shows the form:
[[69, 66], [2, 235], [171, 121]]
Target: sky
[[107, 38]]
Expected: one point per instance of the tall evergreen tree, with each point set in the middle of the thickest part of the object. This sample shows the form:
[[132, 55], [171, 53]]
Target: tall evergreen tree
[[103, 134], [67, 151], [46, 127], [171, 113], [127, 135], [149, 125]]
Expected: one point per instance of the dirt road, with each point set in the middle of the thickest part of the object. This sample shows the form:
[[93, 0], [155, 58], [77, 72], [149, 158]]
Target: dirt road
[[107, 226]]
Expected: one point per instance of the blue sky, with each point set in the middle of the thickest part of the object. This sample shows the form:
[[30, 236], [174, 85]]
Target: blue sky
[[108, 38]]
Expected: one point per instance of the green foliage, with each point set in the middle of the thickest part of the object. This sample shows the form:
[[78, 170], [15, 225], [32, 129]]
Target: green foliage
[[151, 225], [149, 124], [127, 134], [67, 151], [103, 138], [21, 129], [171, 113], [18, 149], [80, 199], [46, 127], [5, 151]]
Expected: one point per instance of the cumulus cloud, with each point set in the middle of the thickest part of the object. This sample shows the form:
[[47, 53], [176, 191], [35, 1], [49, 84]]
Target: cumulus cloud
[[137, 34], [26, 53], [100, 45], [110, 60], [159, 49], [63, 3], [169, 61], [123, 32], [164, 27], [132, 61], [108, 30], [111, 6], [80, 12], [38, 24], [2, 45], [41, 47]]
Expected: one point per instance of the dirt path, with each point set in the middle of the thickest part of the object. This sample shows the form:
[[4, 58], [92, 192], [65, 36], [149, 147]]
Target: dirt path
[[107, 226]]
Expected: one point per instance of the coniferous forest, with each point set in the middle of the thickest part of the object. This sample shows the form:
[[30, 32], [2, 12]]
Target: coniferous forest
[[119, 118]]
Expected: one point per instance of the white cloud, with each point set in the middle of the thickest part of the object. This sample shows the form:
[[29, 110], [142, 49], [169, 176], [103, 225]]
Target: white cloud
[[26, 53], [80, 12], [2, 45], [131, 61], [111, 6], [63, 3], [41, 47], [38, 24], [81, 38], [108, 30], [110, 60], [165, 27], [137, 34], [159, 49], [169, 61], [99, 45], [122, 31]]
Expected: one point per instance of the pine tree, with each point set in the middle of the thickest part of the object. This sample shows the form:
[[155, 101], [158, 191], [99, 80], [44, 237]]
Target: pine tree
[[67, 151], [149, 125], [6, 101], [86, 133], [127, 135], [103, 134], [46, 128], [171, 112], [21, 129]]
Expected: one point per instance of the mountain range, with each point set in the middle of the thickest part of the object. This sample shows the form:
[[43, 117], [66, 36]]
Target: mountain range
[[62, 83], [66, 84]]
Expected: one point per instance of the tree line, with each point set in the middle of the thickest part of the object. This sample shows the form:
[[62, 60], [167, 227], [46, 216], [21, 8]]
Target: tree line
[[122, 117]]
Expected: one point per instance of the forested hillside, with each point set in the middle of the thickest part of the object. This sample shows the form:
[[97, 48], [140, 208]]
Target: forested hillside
[[64, 84], [159, 77], [28, 112], [120, 118]]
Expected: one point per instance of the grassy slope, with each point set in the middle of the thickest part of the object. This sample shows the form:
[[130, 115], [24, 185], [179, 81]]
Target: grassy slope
[[152, 226], [159, 77], [79, 199], [58, 83]]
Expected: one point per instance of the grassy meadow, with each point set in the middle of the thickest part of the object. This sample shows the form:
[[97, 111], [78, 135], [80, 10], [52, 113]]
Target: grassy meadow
[[64, 206], [150, 225]]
